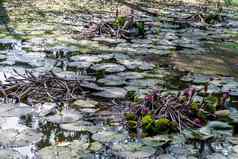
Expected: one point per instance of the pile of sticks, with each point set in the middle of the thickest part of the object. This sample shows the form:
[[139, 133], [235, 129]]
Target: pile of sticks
[[47, 87], [106, 29]]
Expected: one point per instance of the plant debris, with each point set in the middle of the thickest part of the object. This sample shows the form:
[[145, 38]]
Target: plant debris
[[123, 27], [164, 113], [45, 87]]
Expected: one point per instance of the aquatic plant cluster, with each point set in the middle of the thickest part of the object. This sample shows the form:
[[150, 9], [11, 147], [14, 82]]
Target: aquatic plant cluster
[[166, 113], [125, 27]]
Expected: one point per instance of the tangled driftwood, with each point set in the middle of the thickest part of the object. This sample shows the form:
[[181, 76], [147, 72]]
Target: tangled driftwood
[[123, 27], [40, 88]]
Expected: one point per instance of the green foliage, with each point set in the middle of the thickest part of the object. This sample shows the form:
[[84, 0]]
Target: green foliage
[[130, 116], [152, 127], [162, 125], [140, 27], [119, 22], [148, 124], [233, 46], [132, 125], [195, 106], [203, 115], [1, 1], [211, 103], [131, 95], [147, 119], [228, 2]]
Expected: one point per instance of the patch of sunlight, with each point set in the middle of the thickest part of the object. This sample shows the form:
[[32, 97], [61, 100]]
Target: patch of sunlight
[[206, 64]]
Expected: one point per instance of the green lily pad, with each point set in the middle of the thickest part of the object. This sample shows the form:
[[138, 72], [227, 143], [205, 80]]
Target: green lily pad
[[132, 150], [109, 136], [156, 141]]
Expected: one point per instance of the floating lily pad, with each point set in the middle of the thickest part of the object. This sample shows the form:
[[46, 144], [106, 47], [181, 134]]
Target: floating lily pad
[[167, 156], [91, 86], [71, 150], [131, 75], [85, 103], [109, 136], [95, 146], [197, 135], [136, 64], [89, 110], [197, 78], [18, 138], [3, 57], [45, 109], [216, 156], [80, 126], [11, 123], [112, 80], [222, 113], [13, 110], [109, 67], [66, 116], [87, 58], [233, 114], [79, 64], [144, 82], [112, 92], [218, 125], [33, 59], [132, 150], [70, 75], [58, 152], [156, 141], [10, 154]]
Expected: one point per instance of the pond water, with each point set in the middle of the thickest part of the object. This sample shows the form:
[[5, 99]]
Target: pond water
[[173, 55]]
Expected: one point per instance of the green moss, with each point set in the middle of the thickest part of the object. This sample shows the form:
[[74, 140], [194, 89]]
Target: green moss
[[147, 119], [132, 125], [130, 116], [162, 125], [148, 124]]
